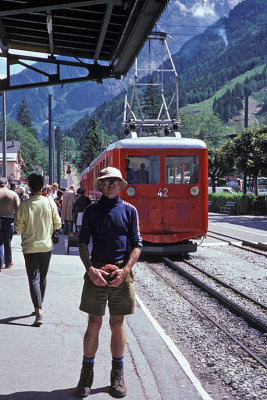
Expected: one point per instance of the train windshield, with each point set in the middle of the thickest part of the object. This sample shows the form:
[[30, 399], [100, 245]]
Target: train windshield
[[181, 169], [142, 169]]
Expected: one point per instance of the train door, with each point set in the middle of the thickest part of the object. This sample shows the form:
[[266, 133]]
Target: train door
[[180, 208]]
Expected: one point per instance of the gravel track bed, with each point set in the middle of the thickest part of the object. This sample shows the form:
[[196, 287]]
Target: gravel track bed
[[225, 370]]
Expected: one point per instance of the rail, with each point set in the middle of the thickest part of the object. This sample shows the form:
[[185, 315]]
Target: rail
[[242, 345]]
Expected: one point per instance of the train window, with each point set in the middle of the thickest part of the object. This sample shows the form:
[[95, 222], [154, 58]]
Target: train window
[[181, 169], [142, 169], [108, 164]]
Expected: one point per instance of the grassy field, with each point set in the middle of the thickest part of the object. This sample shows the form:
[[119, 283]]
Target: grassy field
[[206, 105]]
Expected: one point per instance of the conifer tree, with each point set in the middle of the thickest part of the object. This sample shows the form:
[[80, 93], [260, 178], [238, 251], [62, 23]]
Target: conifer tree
[[24, 116], [151, 100], [90, 144]]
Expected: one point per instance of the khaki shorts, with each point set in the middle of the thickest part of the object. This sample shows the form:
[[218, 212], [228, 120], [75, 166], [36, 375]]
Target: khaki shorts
[[120, 300]]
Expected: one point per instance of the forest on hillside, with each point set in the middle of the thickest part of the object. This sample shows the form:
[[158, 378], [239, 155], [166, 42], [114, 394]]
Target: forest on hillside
[[230, 104], [207, 62]]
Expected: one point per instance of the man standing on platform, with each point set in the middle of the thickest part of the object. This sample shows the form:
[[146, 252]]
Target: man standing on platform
[[9, 202], [114, 227]]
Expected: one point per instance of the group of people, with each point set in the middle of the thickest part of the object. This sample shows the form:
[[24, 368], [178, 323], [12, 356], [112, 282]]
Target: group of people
[[70, 204], [113, 226], [141, 176]]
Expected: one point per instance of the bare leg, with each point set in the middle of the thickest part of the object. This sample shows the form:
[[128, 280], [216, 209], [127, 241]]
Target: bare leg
[[38, 311], [90, 341], [117, 344]]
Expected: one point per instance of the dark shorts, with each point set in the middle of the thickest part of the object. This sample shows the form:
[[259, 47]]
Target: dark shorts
[[120, 300]]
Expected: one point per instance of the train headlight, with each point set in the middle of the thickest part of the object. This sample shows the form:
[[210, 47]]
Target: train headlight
[[194, 190], [131, 191]]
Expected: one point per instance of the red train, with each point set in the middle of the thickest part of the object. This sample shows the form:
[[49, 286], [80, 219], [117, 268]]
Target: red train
[[167, 183]]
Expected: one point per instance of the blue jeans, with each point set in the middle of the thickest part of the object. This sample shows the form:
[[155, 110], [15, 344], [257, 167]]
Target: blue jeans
[[6, 235]]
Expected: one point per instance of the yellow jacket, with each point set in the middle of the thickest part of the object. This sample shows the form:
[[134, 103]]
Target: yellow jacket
[[34, 222]]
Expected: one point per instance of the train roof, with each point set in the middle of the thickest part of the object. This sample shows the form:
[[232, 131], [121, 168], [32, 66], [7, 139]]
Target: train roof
[[156, 141], [150, 142], [84, 172]]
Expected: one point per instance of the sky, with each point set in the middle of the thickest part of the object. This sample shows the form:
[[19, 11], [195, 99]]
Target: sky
[[16, 68]]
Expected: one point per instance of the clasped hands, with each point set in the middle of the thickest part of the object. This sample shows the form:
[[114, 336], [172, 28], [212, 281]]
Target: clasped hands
[[108, 275]]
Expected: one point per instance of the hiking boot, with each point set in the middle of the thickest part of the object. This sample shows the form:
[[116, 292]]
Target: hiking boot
[[117, 385], [84, 385], [38, 320]]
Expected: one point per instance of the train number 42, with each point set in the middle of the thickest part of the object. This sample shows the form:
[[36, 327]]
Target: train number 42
[[163, 192]]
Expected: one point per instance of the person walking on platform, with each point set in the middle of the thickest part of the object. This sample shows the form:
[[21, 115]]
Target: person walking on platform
[[22, 194], [113, 225], [9, 202], [35, 220], [69, 199], [79, 206]]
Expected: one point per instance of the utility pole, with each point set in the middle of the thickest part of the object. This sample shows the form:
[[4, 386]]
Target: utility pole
[[102, 140], [50, 140], [246, 112], [4, 168], [58, 155]]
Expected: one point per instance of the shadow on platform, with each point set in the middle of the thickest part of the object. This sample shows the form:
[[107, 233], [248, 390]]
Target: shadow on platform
[[54, 395], [9, 320], [256, 222]]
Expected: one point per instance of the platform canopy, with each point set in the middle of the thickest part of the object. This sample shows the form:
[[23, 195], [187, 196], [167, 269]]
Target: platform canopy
[[102, 36]]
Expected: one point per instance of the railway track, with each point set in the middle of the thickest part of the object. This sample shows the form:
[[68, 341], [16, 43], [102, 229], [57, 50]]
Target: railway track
[[252, 320], [245, 245]]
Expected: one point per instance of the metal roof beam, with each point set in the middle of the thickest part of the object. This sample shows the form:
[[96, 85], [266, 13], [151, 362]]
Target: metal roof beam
[[103, 31], [92, 72], [56, 6], [49, 22], [143, 16], [4, 43]]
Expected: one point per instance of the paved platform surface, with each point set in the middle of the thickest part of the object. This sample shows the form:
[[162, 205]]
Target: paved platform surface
[[44, 363], [245, 227]]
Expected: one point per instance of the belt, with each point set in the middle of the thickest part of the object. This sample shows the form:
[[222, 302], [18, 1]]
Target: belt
[[99, 264], [120, 263]]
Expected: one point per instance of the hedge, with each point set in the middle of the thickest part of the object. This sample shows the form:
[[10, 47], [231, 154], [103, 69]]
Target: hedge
[[245, 204]]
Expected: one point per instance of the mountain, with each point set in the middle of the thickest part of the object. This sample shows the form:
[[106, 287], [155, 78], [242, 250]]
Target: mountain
[[228, 48], [182, 19]]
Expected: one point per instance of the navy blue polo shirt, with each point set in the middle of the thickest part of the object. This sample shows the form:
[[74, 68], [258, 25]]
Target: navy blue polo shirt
[[114, 227]]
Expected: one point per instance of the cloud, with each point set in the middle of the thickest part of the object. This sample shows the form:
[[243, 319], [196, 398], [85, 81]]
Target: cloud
[[222, 32], [199, 11], [183, 9]]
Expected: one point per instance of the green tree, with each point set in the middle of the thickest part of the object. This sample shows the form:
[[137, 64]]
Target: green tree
[[220, 163], [250, 152], [32, 151], [72, 152], [204, 126], [90, 145], [151, 100], [24, 116]]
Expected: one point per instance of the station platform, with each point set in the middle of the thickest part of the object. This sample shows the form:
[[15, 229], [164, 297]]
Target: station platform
[[44, 363]]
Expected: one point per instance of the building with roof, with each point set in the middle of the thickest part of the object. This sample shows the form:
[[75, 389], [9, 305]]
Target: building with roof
[[13, 160]]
